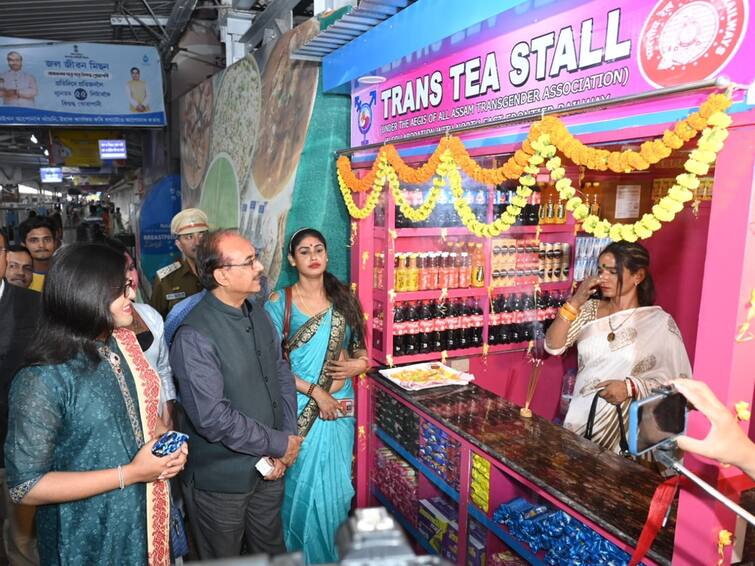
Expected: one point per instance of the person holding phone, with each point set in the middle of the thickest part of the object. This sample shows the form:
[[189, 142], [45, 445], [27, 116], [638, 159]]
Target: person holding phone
[[726, 441], [83, 420], [322, 325], [626, 345]]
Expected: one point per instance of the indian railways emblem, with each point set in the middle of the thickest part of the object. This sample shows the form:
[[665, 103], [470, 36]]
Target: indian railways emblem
[[684, 41], [364, 114]]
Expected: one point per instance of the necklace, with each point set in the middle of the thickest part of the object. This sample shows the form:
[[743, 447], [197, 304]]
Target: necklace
[[303, 302], [612, 335]]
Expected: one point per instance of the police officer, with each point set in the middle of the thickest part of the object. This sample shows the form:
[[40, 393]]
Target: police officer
[[179, 280]]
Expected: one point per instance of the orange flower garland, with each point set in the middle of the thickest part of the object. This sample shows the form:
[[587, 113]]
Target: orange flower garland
[[451, 154]]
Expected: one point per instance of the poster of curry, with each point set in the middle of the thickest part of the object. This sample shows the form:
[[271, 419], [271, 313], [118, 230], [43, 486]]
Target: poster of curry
[[242, 133]]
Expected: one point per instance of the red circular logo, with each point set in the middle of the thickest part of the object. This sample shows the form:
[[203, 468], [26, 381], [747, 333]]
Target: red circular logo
[[684, 41]]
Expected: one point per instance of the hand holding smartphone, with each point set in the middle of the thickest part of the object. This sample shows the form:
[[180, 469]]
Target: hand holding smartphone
[[656, 420], [169, 443]]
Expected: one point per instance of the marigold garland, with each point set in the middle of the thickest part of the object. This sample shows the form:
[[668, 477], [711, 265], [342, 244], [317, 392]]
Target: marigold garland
[[708, 144], [544, 139]]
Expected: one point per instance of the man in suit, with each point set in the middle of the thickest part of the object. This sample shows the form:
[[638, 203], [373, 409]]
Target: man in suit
[[19, 310]]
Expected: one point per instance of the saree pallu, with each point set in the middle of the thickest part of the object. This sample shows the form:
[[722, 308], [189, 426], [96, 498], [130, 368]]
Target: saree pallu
[[318, 489], [647, 348], [147, 383]]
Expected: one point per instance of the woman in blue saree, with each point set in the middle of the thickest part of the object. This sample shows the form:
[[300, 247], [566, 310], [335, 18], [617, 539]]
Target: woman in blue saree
[[324, 339], [83, 419]]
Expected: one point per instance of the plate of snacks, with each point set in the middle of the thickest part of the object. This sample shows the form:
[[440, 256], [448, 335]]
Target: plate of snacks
[[426, 375]]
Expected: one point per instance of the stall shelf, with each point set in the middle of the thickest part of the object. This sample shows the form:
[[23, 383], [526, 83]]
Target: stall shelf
[[530, 458], [383, 237]]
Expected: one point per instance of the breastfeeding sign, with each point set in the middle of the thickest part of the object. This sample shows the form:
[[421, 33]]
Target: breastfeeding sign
[[592, 52], [80, 84]]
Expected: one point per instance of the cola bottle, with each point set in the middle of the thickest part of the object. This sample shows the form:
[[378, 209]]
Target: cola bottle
[[493, 322], [438, 327], [477, 321], [398, 329], [515, 330], [529, 317], [425, 328], [452, 322], [465, 324], [411, 334]]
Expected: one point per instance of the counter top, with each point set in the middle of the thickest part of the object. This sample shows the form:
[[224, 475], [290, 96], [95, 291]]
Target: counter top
[[611, 491]]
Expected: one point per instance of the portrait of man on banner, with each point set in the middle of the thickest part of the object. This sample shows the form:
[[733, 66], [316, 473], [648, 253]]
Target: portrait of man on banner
[[17, 88], [138, 95]]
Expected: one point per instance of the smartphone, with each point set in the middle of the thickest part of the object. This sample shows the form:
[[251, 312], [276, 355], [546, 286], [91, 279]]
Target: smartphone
[[346, 408], [264, 466], [656, 420], [169, 443]]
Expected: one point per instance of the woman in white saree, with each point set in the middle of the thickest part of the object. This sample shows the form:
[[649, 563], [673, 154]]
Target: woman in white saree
[[626, 346]]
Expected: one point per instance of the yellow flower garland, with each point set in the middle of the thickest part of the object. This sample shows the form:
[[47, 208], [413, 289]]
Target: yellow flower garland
[[651, 152], [544, 139], [709, 144]]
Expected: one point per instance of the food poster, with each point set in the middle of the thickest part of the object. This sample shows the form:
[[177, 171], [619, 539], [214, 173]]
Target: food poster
[[242, 135]]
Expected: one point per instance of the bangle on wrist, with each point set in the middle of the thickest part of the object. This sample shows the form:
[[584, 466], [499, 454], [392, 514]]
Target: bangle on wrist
[[566, 314], [571, 308], [121, 480], [366, 361], [311, 389]]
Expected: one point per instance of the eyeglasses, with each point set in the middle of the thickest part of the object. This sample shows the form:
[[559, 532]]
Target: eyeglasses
[[249, 263], [126, 287]]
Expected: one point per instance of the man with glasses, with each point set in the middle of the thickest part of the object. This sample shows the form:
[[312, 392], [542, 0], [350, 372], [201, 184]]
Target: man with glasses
[[239, 402], [38, 235], [19, 311], [179, 280], [20, 268]]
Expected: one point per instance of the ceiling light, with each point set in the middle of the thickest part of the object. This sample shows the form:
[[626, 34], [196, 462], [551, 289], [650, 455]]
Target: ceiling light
[[33, 138], [371, 80]]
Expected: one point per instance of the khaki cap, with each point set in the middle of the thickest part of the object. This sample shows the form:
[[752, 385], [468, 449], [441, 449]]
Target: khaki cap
[[189, 221]]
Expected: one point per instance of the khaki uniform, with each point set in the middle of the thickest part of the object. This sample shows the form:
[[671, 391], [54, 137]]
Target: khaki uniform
[[173, 284]]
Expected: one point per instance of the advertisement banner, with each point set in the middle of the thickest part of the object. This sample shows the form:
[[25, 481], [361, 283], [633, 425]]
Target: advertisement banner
[[156, 245], [79, 148], [592, 52], [80, 84]]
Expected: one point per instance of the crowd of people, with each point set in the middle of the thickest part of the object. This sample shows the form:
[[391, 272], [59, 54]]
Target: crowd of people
[[260, 382], [98, 377]]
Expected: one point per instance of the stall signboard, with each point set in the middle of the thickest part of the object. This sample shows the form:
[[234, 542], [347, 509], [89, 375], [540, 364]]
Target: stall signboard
[[591, 52], [51, 174], [80, 84], [112, 149], [156, 244]]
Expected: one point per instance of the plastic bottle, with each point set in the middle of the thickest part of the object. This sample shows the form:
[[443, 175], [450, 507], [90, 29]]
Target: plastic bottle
[[398, 273], [465, 270], [453, 271], [477, 273], [412, 274]]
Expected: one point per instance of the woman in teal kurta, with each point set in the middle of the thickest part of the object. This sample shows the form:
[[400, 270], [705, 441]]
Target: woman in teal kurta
[[80, 419], [71, 416], [326, 342]]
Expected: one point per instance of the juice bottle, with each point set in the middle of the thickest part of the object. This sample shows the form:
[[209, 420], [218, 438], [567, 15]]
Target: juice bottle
[[412, 274], [398, 272], [477, 272], [453, 270], [465, 270]]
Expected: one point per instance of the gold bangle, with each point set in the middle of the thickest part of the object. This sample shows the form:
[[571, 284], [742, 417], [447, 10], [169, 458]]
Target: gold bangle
[[567, 320], [571, 308], [567, 314]]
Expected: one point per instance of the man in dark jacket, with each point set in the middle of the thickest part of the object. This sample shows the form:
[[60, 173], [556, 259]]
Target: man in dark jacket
[[19, 310], [239, 400]]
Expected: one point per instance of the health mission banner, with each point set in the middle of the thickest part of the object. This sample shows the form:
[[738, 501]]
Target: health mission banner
[[592, 52], [80, 84]]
